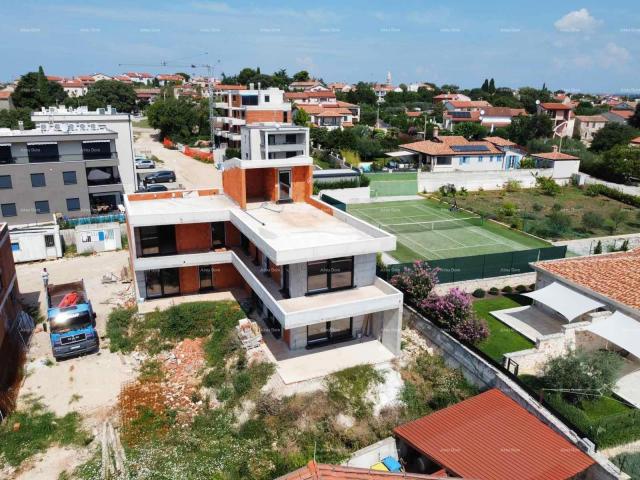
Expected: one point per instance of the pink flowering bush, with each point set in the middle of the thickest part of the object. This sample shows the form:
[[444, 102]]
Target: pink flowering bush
[[448, 310], [417, 282], [471, 330]]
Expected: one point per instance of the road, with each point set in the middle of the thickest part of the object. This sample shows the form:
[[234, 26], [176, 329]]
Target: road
[[190, 173]]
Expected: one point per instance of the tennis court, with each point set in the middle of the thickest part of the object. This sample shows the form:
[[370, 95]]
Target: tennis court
[[393, 184], [428, 230]]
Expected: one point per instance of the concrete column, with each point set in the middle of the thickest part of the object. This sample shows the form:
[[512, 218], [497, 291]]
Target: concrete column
[[390, 329]]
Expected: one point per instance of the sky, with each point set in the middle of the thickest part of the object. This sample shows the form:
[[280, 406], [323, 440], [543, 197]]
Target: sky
[[576, 46]]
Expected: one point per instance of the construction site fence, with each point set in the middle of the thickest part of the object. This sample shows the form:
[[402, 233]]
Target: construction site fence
[[482, 266]]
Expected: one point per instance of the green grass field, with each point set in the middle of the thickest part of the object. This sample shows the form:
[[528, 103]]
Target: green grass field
[[502, 338], [424, 243], [393, 184]]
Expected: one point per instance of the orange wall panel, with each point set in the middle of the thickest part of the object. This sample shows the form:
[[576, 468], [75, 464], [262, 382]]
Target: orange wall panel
[[302, 183], [189, 280], [254, 116], [225, 275], [193, 237], [232, 235], [233, 182]]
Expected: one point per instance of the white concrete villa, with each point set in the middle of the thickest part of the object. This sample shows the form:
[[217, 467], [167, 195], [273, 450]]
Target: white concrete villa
[[587, 303]]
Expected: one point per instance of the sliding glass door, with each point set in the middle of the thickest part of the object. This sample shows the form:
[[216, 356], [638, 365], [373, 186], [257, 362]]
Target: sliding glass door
[[329, 332]]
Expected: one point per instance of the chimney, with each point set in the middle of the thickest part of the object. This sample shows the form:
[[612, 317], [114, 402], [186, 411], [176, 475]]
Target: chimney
[[555, 149], [251, 86], [436, 131], [108, 108], [20, 125], [258, 85]]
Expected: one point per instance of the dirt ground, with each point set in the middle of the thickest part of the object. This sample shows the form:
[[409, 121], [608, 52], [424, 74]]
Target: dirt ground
[[190, 173], [89, 384]]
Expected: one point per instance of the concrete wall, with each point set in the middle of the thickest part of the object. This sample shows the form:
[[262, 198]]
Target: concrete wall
[[87, 238], [585, 246], [485, 375], [486, 283], [473, 181]]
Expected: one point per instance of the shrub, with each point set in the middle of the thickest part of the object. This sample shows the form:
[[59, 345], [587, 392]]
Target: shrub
[[494, 291], [508, 209], [537, 207], [592, 220], [507, 289], [479, 293], [547, 185], [242, 383], [348, 389], [592, 190], [118, 324], [521, 288], [513, 186], [598, 249], [232, 153], [448, 310], [417, 282], [527, 162], [613, 193], [471, 330], [558, 223], [580, 370]]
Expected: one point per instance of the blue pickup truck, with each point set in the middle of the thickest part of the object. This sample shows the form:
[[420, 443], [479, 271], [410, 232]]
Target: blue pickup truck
[[71, 320]]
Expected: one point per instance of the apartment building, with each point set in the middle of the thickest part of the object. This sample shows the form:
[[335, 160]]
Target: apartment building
[[309, 269], [241, 106], [562, 116], [11, 345], [108, 118], [72, 169]]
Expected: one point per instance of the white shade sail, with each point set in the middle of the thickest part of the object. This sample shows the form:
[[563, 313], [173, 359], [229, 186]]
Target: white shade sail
[[620, 330], [568, 303]]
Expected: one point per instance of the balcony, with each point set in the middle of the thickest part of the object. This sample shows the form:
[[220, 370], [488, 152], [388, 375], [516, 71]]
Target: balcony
[[209, 257]]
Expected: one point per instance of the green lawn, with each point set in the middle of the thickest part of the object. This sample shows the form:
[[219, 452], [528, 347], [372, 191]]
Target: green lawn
[[529, 209], [144, 123], [502, 338], [392, 177], [321, 163]]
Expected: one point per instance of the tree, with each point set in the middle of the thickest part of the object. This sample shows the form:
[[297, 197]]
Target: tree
[[186, 76], [301, 76], [584, 373], [529, 95], [470, 130], [620, 164], [634, 120], [34, 91], [547, 185], [592, 221], [362, 94], [110, 92], [301, 118], [450, 88], [525, 128], [11, 118], [492, 86], [616, 219], [485, 85], [177, 119], [612, 134], [471, 330]]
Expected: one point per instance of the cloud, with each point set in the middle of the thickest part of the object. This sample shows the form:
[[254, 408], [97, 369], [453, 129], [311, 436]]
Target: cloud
[[614, 55], [577, 21]]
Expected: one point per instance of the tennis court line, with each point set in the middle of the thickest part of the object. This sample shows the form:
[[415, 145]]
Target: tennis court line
[[490, 235], [434, 211], [406, 240]]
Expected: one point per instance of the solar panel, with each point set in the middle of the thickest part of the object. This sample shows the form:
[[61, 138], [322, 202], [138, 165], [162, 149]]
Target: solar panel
[[461, 114], [469, 148]]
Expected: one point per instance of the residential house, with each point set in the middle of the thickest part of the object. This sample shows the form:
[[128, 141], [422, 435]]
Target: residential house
[[13, 322], [458, 111], [452, 153], [323, 471], [586, 126], [445, 97], [108, 118], [311, 97], [513, 153], [414, 87], [71, 169], [309, 269], [588, 303], [6, 103], [562, 116], [381, 90], [342, 87], [499, 117], [140, 77], [635, 142], [564, 165], [307, 86], [100, 76], [123, 79], [74, 88], [165, 79], [618, 116], [244, 106], [490, 436], [148, 95], [329, 116]]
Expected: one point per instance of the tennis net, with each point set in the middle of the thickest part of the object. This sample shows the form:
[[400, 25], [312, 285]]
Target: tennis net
[[414, 227]]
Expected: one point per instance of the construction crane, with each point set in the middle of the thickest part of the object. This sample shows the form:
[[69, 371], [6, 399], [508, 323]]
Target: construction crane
[[210, 72]]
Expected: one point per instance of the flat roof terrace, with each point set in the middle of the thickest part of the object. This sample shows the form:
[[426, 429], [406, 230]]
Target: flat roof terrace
[[177, 207], [300, 232]]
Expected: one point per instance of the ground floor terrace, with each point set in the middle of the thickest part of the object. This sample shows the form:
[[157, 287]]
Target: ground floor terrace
[[293, 323]]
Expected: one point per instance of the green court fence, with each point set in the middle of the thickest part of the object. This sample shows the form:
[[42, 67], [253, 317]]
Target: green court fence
[[482, 266], [391, 188], [334, 202]]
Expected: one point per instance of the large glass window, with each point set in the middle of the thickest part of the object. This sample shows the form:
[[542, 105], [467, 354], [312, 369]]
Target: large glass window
[[42, 206], [249, 100], [43, 152], [103, 175], [5, 181], [69, 178], [38, 180], [443, 161], [73, 204], [96, 150], [157, 240], [333, 274], [163, 282]]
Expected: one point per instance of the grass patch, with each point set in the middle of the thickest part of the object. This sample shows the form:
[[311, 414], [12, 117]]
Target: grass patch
[[144, 123], [351, 157], [347, 389], [38, 430], [629, 463], [317, 160], [502, 338]]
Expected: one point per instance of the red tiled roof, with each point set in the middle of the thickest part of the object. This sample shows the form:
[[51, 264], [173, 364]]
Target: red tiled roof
[[491, 437], [634, 141], [626, 114], [414, 114], [170, 78], [614, 275], [222, 86], [473, 117], [555, 106], [501, 142], [55, 78], [443, 146], [72, 84], [321, 471], [503, 112], [469, 104], [555, 156], [305, 95], [592, 118], [5, 94], [340, 103]]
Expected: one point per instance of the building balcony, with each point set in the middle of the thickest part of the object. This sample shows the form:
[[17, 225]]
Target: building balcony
[[209, 257]]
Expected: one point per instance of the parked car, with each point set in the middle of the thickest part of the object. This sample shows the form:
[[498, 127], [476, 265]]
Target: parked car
[[145, 163], [161, 176], [156, 188]]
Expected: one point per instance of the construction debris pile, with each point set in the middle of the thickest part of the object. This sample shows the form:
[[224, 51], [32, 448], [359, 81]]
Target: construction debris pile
[[249, 334]]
